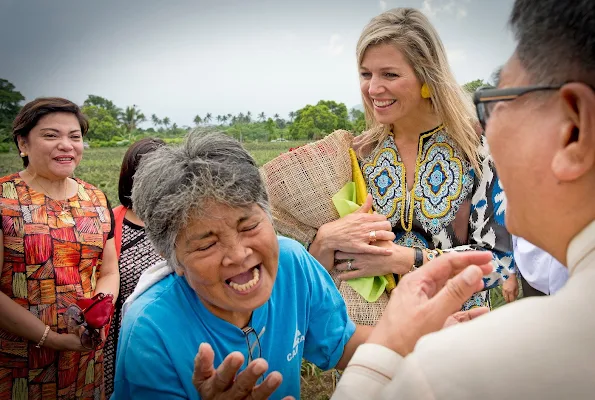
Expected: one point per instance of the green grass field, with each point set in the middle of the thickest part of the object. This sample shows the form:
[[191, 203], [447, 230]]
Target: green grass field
[[101, 166]]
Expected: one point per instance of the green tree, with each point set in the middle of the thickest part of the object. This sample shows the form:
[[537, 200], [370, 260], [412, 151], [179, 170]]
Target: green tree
[[269, 126], [104, 103], [156, 121], [10, 104], [313, 122], [472, 86], [102, 125], [166, 122], [358, 120], [340, 110], [262, 117], [197, 120], [131, 117]]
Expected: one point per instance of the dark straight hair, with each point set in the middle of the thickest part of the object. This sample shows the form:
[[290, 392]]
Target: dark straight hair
[[130, 164]]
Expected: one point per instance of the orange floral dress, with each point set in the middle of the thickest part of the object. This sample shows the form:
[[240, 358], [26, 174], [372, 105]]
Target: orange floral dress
[[52, 257]]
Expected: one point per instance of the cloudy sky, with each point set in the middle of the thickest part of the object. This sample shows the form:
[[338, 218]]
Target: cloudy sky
[[180, 58]]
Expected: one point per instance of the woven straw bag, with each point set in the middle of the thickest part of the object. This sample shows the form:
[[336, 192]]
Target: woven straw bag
[[300, 185]]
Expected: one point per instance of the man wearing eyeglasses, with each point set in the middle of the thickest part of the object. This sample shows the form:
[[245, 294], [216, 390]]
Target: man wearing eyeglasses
[[540, 125]]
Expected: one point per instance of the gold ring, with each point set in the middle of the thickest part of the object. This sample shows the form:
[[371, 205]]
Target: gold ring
[[372, 236]]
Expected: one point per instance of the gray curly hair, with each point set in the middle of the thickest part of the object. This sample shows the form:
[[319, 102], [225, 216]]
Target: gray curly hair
[[174, 184]]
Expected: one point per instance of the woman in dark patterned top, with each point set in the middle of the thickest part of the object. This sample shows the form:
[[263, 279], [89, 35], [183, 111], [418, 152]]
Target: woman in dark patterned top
[[427, 169], [136, 253]]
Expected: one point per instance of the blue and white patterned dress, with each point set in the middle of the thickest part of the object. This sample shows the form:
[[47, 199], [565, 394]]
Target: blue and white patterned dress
[[450, 208]]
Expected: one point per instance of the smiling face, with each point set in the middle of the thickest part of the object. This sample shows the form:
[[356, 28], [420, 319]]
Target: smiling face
[[54, 146], [230, 258], [389, 85]]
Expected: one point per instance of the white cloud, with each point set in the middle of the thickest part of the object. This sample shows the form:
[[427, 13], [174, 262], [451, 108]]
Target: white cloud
[[335, 46], [383, 5]]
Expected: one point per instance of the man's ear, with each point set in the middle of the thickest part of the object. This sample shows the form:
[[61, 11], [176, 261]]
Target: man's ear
[[575, 156]]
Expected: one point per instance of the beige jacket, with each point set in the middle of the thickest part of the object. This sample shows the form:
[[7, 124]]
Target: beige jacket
[[536, 348]]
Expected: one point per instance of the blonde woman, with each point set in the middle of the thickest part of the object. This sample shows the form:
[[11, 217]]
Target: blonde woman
[[426, 166]]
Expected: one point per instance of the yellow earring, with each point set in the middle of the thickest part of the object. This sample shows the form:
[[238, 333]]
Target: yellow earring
[[425, 91], [23, 154]]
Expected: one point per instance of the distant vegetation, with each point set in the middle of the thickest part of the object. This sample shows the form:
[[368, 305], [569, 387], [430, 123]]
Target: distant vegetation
[[113, 126]]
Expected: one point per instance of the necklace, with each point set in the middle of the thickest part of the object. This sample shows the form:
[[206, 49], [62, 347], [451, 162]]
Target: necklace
[[63, 203]]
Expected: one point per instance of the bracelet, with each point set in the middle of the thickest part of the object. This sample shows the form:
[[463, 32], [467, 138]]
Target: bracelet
[[432, 254], [44, 337]]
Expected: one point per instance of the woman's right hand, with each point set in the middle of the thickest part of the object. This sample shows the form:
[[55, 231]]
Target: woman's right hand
[[352, 234]]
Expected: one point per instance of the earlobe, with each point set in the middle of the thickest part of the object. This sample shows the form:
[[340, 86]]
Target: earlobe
[[576, 152]]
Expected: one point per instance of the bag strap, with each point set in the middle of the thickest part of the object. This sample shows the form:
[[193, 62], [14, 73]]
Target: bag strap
[[119, 213]]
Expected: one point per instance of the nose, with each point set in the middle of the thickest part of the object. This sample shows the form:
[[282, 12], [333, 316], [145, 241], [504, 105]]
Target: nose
[[236, 253], [65, 144], [376, 86]]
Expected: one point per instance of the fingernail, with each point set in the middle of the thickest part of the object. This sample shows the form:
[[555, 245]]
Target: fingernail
[[259, 369], [200, 346], [471, 275]]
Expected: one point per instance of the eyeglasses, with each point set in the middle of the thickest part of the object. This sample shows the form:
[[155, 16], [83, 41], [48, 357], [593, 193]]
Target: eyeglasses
[[485, 98], [75, 318], [253, 343]]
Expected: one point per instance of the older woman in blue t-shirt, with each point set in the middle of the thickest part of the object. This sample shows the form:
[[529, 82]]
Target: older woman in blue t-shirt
[[236, 285], [253, 302]]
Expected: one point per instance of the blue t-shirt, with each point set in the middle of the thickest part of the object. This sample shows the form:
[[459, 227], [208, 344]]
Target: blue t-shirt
[[162, 330]]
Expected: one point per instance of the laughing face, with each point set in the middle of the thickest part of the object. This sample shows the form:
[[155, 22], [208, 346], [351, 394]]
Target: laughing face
[[230, 257], [54, 146], [389, 85]]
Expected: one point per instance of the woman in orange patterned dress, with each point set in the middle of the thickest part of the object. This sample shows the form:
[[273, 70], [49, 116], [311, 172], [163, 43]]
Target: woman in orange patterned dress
[[56, 247]]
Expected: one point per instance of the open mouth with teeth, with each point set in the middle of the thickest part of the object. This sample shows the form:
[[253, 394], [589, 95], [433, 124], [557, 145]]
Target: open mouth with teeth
[[244, 282], [383, 103], [63, 159]]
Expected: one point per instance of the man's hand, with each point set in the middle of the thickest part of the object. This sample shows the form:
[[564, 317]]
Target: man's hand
[[510, 289], [222, 383], [424, 299]]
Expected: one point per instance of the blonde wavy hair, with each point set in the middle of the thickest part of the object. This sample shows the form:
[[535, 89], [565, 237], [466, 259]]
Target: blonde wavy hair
[[413, 34]]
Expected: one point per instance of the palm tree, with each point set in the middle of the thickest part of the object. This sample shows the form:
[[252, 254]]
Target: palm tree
[[224, 119], [292, 115], [248, 117], [197, 120], [276, 116], [174, 127], [131, 117], [166, 122], [262, 117], [208, 118], [156, 121]]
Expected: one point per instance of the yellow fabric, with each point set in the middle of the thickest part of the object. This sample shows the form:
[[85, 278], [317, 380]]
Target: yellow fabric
[[347, 200], [361, 193]]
